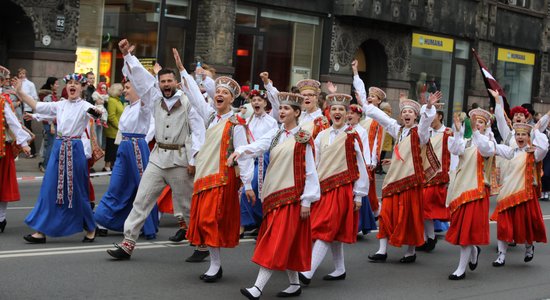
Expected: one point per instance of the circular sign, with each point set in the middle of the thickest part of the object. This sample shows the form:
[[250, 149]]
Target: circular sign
[[46, 40]]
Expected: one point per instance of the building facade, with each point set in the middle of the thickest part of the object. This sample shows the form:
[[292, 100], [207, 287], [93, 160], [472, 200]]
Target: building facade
[[401, 45]]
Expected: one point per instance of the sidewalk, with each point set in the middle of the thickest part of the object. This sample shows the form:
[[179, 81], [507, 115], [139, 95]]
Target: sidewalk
[[28, 167]]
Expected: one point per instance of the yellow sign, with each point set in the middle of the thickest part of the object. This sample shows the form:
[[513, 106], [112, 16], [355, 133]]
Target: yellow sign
[[87, 60], [432, 42], [148, 63], [514, 56]]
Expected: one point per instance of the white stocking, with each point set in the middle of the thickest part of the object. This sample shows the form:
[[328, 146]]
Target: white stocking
[[429, 230], [338, 259], [215, 261], [3, 208], [383, 246], [502, 247], [263, 277], [320, 249], [411, 250], [465, 252], [294, 282]]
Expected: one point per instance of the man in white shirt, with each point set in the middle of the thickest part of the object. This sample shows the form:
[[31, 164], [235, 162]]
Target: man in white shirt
[[30, 89]]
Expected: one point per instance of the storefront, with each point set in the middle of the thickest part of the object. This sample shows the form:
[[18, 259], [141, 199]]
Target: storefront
[[440, 63], [284, 43], [515, 74]]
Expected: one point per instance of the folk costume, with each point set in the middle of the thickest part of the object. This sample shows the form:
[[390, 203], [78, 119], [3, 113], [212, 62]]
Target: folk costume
[[518, 213], [12, 135], [469, 191], [375, 134], [179, 132], [132, 159], [435, 190], [215, 211], [401, 216], [62, 207], [343, 179], [291, 182]]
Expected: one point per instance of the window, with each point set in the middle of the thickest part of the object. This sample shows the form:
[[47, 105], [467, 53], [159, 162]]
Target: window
[[515, 75]]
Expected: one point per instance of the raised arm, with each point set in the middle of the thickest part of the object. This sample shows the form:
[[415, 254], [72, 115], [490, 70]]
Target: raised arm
[[389, 124], [504, 151], [427, 115], [272, 95], [485, 145], [456, 143], [26, 98], [258, 147], [540, 142], [502, 124], [358, 84]]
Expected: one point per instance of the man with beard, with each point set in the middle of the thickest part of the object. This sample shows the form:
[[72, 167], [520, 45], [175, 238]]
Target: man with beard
[[179, 132]]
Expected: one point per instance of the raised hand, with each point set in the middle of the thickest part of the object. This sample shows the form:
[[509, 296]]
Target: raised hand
[[473, 122], [332, 88], [354, 64], [177, 58], [124, 47], [434, 98], [265, 77], [495, 95], [358, 98], [457, 122], [156, 68]]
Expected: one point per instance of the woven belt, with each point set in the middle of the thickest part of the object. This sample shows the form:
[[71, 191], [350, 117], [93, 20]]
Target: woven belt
[[170, 146]]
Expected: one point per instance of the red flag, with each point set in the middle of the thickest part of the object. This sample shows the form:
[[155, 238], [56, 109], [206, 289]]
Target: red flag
[[491, 83]]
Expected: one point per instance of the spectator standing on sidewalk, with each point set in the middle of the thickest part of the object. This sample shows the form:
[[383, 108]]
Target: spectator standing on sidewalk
[[114, 109], [48, 93], [29, 88]]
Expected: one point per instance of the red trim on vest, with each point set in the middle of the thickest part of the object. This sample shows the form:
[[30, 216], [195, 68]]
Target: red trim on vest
[[352, 173]]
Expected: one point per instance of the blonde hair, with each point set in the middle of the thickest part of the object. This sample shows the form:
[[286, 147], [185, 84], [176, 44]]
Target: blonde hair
[[385, 106], [115, 90]]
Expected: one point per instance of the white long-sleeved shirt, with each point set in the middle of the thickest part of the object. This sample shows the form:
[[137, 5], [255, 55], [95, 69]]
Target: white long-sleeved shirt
[[362, 132], [312, 189], [30, 89], [273, 98], [361, 185], [72, 117], [484, 143], [392, 127], [149, 92], [359, 86], [261, 124], [307, 117], [441, 130], [135, 118], [21, 136], [539, 140], [205, 111], [506, 133]]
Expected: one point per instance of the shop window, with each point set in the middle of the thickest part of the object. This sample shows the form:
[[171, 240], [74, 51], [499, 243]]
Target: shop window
[[246, 15], [177, 9], [515, 74]]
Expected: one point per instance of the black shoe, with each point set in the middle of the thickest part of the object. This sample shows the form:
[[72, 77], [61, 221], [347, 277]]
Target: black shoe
[[304, 279], [92, 205], [288, 295], [88, 240], [408, 259], [179, 236], [92, 170], [213, 278], [198, 256], [248, 295], [474, 266], [543, 199], [497, 264], [512, 244], [378, 257], [33, 240], [102, 232], [334, 278], [119, 253], [529, 258], [431, 244], [423, 247], [455, 277], [3, 225]]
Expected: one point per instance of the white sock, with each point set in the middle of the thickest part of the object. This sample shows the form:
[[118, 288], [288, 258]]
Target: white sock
[[429, 229], [294, 282], [383, 246], [338, 258], [473, 256], [502, 248], [215, 261], [529, 250], [100, 227], [3, 208], [411, 250], [320, 249], [377, 212], [263, 277], [465, 252]]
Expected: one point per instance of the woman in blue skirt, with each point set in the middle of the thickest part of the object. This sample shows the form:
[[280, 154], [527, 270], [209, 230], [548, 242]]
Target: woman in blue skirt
[[63, 207], [131, 159]]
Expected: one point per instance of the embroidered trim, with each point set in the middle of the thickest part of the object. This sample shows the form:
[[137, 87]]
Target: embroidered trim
[[65, 162], [375, 130], [443, 176], [319, 124], [127, 245], [137, 153]]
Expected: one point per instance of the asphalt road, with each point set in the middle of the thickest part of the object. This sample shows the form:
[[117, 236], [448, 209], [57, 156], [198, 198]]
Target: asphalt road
[[65, 268]]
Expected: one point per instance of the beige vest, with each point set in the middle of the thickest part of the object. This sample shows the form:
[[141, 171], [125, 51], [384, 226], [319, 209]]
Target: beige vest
[[172, 127], [207, 161], [400, 169], [279, 175], [333, 156]]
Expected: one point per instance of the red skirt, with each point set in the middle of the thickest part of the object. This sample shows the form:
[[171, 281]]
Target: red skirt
[[284, 241], [522, 224], [164, 201], [373, 198], [400, 219], [9, 189], [216, 215], [333, 217], [434, 203], [470, 223]]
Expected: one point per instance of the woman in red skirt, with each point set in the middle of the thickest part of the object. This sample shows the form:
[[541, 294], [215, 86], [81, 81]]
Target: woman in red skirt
[[518, 214], [290, 186], [468, 192], [344, 182], [11, 134]]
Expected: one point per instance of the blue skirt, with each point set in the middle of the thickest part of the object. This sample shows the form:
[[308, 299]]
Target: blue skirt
[[440, 226], [55, 219], [251, 216], [366, 217], [117, 202]]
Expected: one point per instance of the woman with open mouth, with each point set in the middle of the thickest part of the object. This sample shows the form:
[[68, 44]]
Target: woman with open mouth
[[344, 182], [518, 214], [215, 211], [291, 185], [469, 189], [259, 123], [401, 216], [62, 207]]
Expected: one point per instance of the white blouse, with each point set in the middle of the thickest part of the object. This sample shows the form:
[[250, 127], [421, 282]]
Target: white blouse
[[135, 118], [260, 125], [72, 117], [21, 136]]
